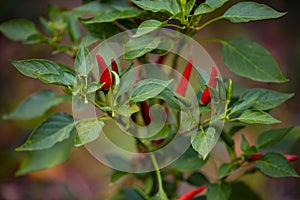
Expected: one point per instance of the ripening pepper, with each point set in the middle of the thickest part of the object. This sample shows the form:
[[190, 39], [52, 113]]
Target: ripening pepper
[[205, 98], [290, 158], [105, 74], [192, 193], [181, 89]]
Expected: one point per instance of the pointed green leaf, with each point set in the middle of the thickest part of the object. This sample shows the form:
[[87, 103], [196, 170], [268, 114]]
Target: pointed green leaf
[[148, 88], [83, 61], [243, 105], [225, 169], [56, 128], [46, 71], [88, 130], [241, 189], [271, 137], [73, 28], [36, 105], [197, 179], [204, 141], [147, 27], [251, 60], [137, 47], [267, 99], [19, 30], [256, 117], [244, 144], [250, 11], [189, 161], [275, 165], [209, 6], [168, 6], [218, 191], [43, 159]]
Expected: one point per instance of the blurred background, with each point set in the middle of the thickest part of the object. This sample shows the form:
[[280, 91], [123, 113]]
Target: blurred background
[[83, 177]]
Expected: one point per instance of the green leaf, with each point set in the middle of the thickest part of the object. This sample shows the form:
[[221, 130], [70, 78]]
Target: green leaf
[[36, 105], [225, 169], [117, 175], [256, 117], [244, 144], [271, 137], [136, 47], [204, 141], [147, 27], [218, 191], [250, 11], [251, 60], [241, 190], [88, 130], [101, 31], [209, 6], [56, 128], [275, 165], [167, 6], [197, 179], [83, 61], [148, 88], [46, 25], [189, 161], [113, 15], [19, 29], [43, 159], [73, 28], [267, 99], [46, 71], [244, 104]]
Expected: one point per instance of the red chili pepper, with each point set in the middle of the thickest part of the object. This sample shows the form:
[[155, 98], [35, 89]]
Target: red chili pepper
[[145, 112], [160, 59], [104, 71], [290, 158], [192, 193], [205, 99], [157, 142], [181, 89]]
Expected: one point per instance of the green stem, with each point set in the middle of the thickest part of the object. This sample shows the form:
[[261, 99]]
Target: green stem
[[159, 179], [208, 22]]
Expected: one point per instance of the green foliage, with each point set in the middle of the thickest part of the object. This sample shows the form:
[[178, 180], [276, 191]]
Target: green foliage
[[50, 142]]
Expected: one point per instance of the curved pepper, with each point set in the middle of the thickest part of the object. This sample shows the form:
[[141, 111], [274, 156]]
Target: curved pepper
[[205, 99], [192, 193], [105, 73], [181, 89]]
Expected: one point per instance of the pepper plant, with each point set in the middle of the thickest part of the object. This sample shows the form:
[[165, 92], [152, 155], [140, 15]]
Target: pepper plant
[[51, 141]]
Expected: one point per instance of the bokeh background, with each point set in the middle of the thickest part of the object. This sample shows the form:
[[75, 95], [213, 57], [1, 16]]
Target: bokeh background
[[83, 177]]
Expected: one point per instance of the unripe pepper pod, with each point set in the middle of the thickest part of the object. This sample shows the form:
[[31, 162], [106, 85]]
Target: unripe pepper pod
[[181, 89], [205, 98], [191, 194], [105, 75]]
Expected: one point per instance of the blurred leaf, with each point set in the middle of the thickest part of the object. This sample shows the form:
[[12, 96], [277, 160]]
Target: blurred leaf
[[102, 30], [250, 11], [117, 175], [56, 128], [275, 165], [21, 30], [88, 130], [83, 61], [244, 144], [148, 88], [251, 60], [189, 7], [73, 28], [137, 47], [189, 161], [204, 141], [46, 25], [218, 191], [36, 105], [267, 99], [271, 137], [46, 71], [147, 27], [225, 169], [241, 190], [167, 6], [209, 6], [256, 117], [43, 159], [197, 179], [57, 17]]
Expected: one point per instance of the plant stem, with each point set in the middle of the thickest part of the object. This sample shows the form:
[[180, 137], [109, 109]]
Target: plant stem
[[159, 179], [208, 22]]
